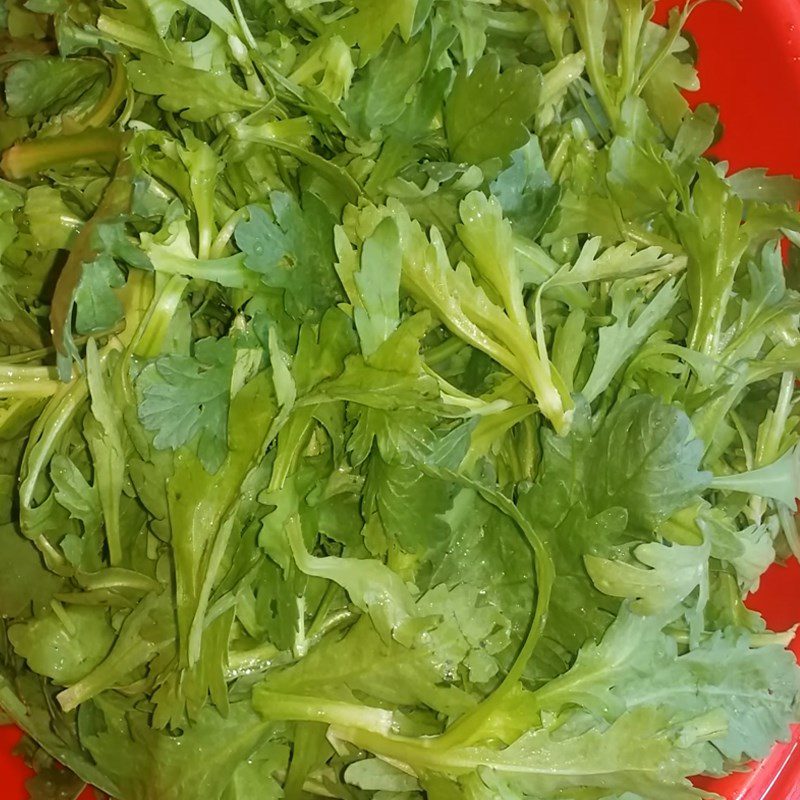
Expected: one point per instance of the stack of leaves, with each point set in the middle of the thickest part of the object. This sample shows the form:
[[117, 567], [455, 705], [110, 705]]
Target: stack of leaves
[[396, 404]]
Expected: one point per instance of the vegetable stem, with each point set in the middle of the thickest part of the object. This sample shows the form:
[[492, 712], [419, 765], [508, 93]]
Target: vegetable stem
[[29, 158]]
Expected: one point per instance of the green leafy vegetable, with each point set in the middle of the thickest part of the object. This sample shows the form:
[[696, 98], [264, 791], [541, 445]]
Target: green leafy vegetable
[[527, 193], [294, 252], [186, 399], [395, 404], [486, 112]]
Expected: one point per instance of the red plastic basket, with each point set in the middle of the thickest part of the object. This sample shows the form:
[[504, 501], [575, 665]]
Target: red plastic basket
[[750, 68]]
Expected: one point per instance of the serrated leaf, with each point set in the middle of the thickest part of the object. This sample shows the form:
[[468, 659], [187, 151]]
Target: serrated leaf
[[654, 462], [186, 399], [293, 250], [97, 307], [196, 94], [410, 504], [526, 191], [372, 21]]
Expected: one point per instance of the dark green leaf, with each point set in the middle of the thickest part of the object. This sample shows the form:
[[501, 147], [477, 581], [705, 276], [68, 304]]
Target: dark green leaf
[[487, 110]]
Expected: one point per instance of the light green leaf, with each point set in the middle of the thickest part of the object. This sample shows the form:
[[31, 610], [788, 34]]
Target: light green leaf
[[64, 646], [619, 341], [372, 586], [674, 572]]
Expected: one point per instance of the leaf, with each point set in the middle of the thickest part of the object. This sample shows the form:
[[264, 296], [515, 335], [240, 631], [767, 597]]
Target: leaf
[[471, 19], [473, 631], [293, 251], [391, 378], [364, 662], [750, 550], [311, 751], [198, 95], [372, 586], [143, 632], [377, 284], [777, 481], [52, 781], [67, 646], [712, 235], [500, 331], [374, 774], [411, 505], [635, 754], [590, 26], [372, 22], [669, 76], [585, 515], [641, 183], [398, 434], [322, 350], [104, 433], [25, 583], [185, 399], [202, 511], [618, 342], [140, 25], [483, 549], [50, 85], [187, 764], [675, 572], [638, 665], [526, 191], [74, 493], [653, 462], [384, 90], [759, 185], [53, 223], [98, 308], [203, 166], [487, 111], [622, 261]]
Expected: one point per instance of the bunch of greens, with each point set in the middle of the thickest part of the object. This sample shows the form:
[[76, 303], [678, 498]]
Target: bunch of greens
[[395, 403]]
